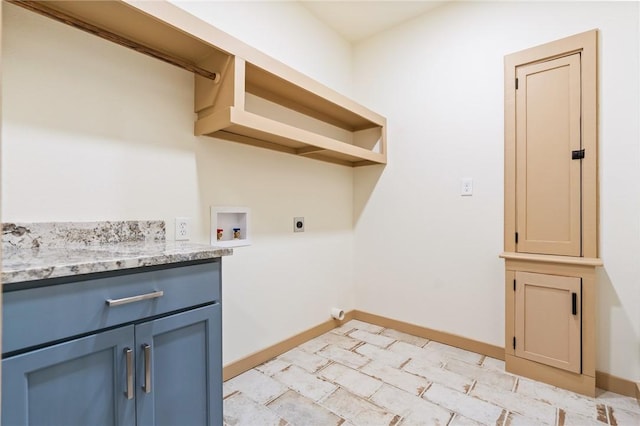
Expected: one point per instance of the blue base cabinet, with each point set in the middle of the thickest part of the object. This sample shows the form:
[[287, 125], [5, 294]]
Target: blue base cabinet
[[163, 368], [178, 393], [80, 382]]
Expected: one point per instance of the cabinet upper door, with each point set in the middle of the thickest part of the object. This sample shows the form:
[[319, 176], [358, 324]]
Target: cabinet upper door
[[76, 383], [548, 180], [179, 369], [548, 319]]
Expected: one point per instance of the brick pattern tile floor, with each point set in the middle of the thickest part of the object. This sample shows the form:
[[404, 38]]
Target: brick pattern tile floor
[[363, 374]]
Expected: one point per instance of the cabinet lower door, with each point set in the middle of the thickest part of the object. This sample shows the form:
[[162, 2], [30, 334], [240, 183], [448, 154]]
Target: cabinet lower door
[[76, 383], [179, 369], [548, 320]]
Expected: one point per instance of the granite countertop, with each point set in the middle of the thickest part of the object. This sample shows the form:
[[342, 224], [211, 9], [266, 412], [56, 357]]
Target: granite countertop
[[48, 250]]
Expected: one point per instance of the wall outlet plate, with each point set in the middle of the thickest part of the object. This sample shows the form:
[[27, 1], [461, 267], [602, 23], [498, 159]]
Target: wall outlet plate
[[466, 187], [298, 224], [182, 229]]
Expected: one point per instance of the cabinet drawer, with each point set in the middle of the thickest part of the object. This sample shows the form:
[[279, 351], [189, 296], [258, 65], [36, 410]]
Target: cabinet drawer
[[45, 314]]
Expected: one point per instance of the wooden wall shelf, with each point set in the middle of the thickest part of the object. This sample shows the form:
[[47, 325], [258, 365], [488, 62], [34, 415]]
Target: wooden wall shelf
[[241, 95]]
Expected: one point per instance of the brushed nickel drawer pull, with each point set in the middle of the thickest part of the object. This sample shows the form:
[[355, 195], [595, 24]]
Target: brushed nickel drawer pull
[[147, 368], [129, 355], [125, 300]]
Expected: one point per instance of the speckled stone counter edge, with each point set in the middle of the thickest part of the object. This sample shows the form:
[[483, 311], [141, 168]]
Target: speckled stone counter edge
[[56, 234], [36, 251]]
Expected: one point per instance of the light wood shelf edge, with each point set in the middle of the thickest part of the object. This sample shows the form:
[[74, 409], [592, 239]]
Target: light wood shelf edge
[[541, 258], [278, 133]]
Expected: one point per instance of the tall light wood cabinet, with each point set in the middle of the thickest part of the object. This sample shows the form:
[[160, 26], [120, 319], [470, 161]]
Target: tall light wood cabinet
[[551, 217], [547, 179]]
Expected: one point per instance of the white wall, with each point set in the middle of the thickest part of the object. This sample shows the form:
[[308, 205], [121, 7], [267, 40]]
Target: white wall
[[284, 30], [426, 255], [93, 131]]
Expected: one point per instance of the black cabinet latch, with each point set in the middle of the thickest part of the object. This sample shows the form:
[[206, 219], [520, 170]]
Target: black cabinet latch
[[577, 155]]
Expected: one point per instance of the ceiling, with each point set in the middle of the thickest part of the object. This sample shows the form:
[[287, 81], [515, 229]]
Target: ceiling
[[359, 19]]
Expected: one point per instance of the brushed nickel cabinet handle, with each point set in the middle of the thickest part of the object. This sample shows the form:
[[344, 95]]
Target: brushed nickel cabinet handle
[[125, 300], [129, 355], [147, 368]]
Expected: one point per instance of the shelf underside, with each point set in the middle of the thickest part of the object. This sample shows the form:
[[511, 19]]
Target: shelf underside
[[123, 24], [244, 127]]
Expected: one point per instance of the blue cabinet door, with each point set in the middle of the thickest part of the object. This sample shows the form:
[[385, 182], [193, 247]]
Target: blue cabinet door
[[76, 383], [179, 371]]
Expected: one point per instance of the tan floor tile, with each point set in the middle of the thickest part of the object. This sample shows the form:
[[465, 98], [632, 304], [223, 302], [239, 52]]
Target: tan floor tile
[[494, 364], [438, 375], [486, 376], [344, 370], [257, 386], [404, 337], [413, 409], [466, 405], [620, 417], [374, 339], [618, 401], [453, 352], [515, 419], [298, 410], [542, 412], [272, 367], [459, 420], [240, 410], [360, 325], [343, 356], [320, 342], [343, 329], [357, 410], [307, 361], [568, 401], [398, 378], [307, 384], [352, 380], [415, 352], [227, 390], [572, 419], [384, 356]]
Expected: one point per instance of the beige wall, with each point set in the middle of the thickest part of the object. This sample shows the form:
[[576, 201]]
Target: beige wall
[[285, 31], [429, 251], [93, 131]]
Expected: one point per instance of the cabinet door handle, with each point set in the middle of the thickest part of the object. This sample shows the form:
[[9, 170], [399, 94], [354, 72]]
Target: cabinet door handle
[[129, 355], [574, 303], [147, 368], [138, 298]]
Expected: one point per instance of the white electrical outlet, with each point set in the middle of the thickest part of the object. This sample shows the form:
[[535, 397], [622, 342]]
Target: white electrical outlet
[[182, 229], [466, 187]]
